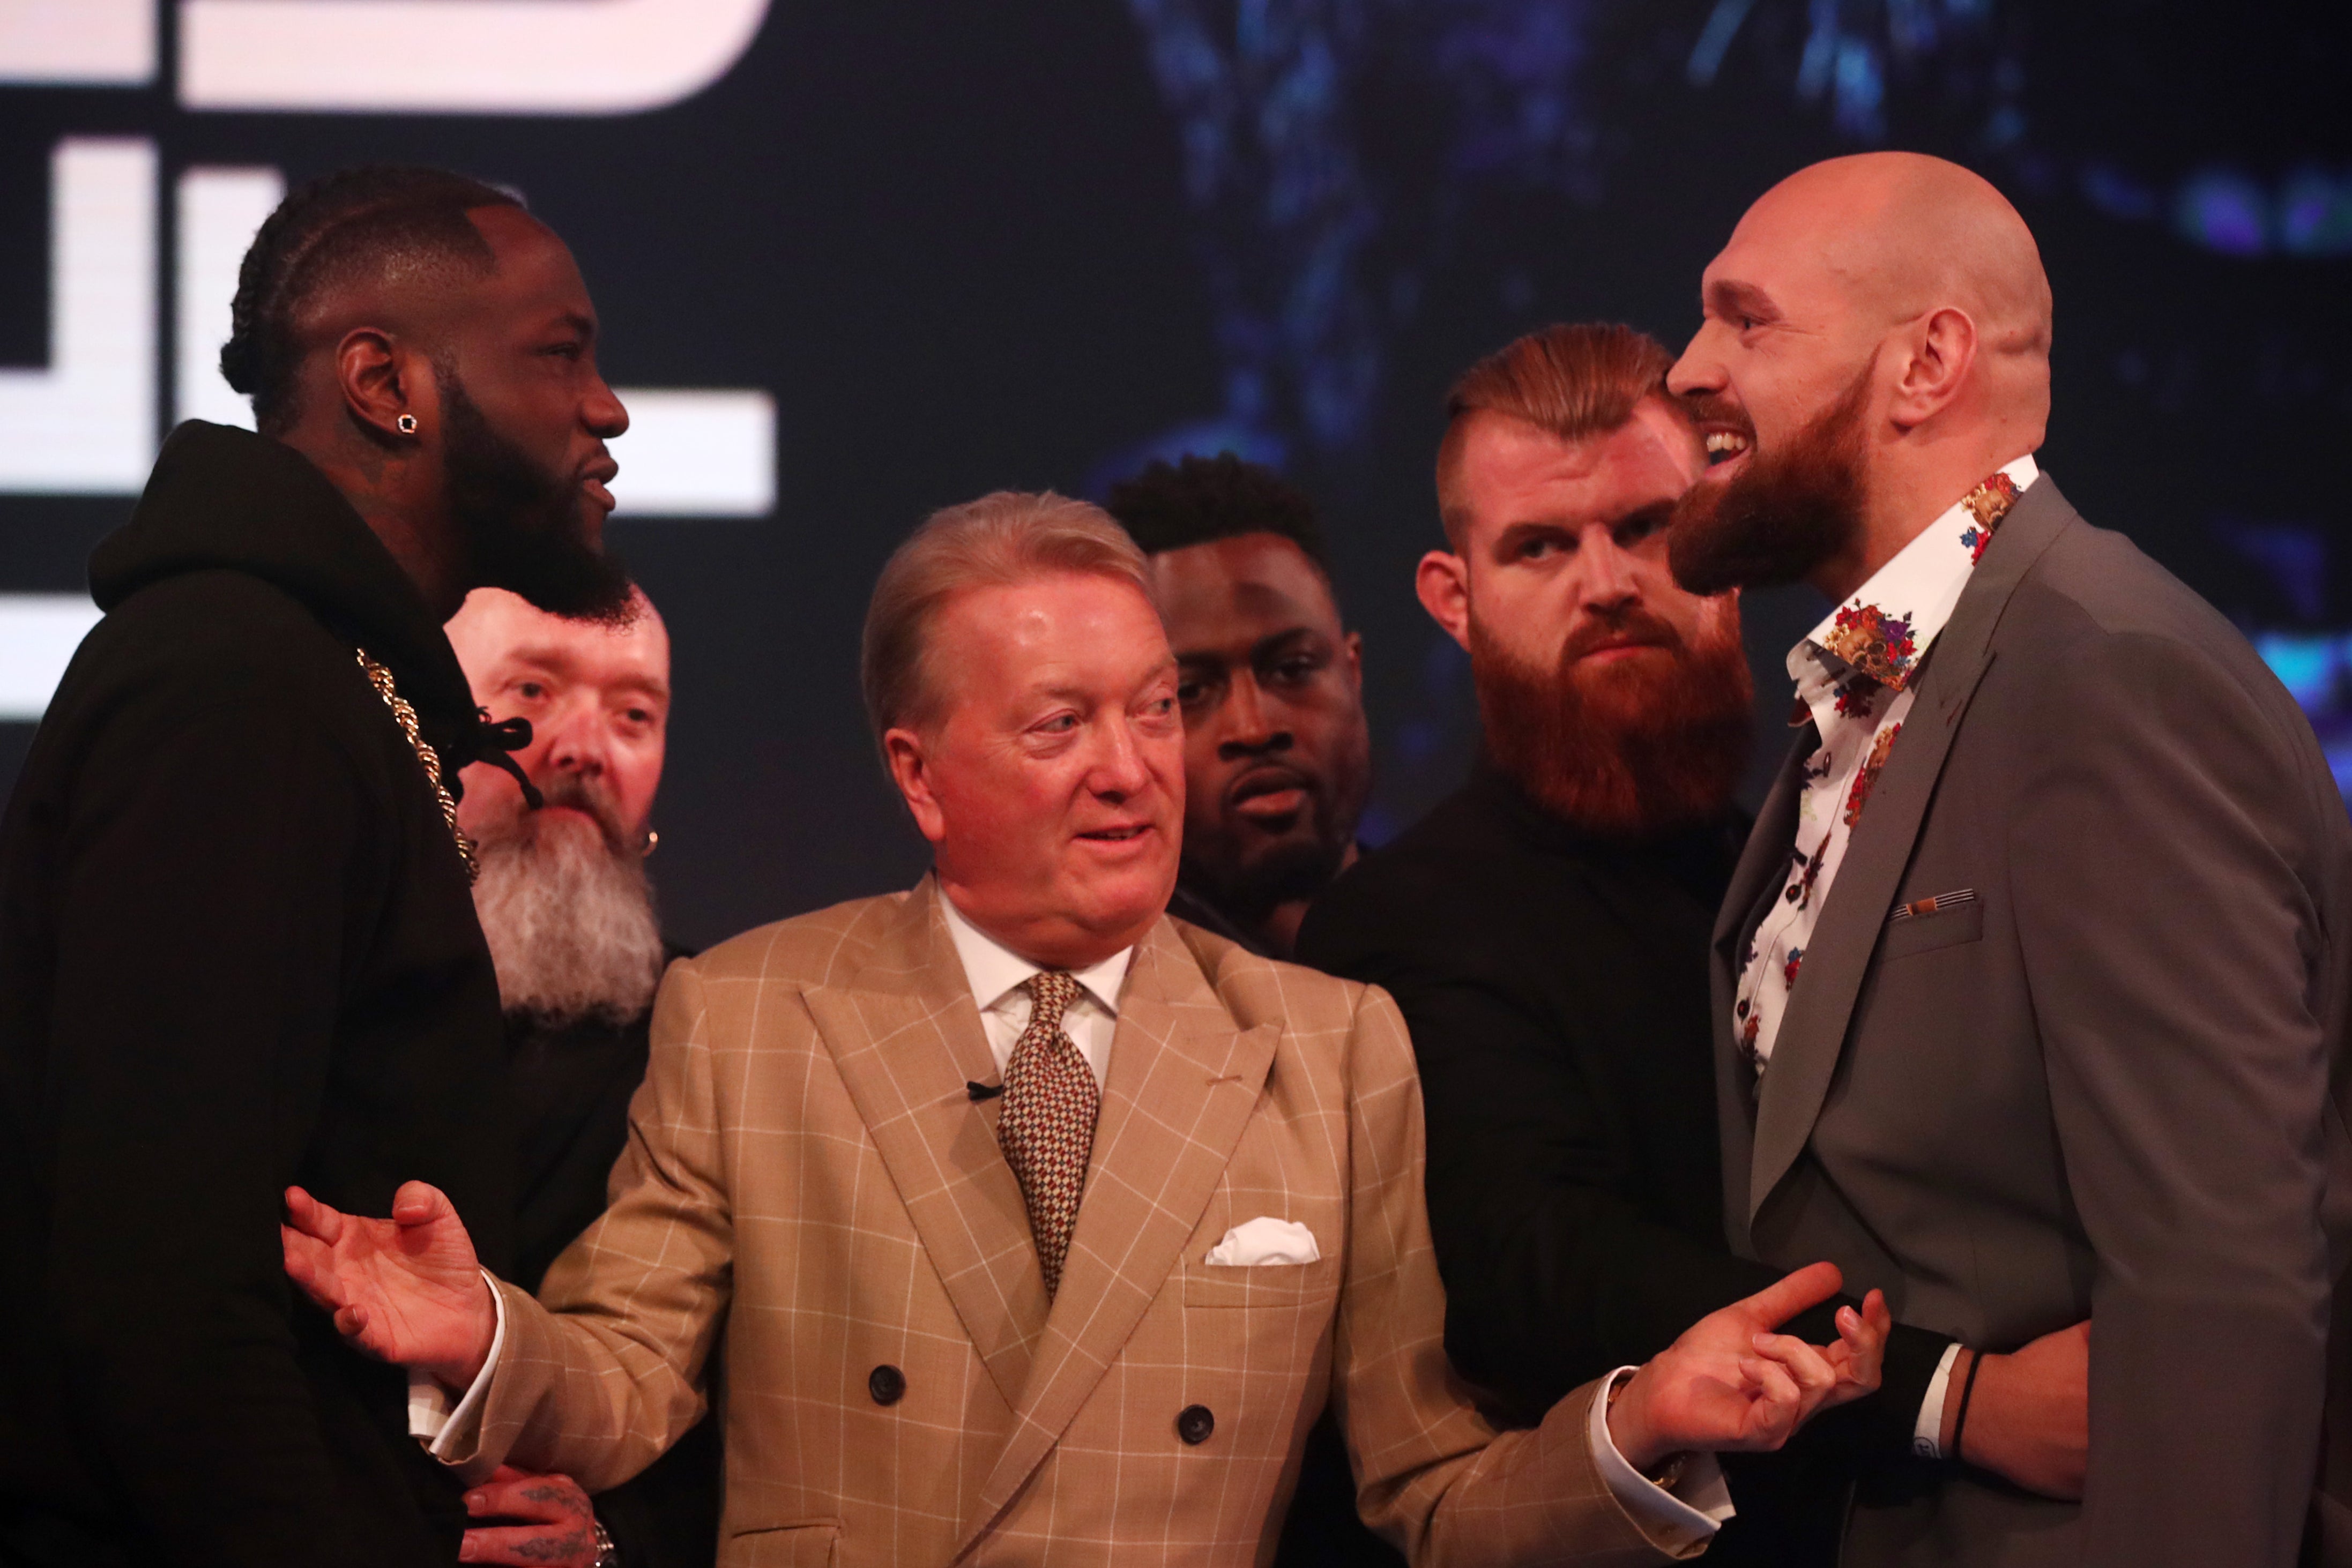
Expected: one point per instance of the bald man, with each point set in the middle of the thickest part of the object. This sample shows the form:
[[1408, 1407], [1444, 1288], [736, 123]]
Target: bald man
[[2030, 985]]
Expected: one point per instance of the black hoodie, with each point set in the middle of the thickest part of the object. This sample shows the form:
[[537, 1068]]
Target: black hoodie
[[238, 951]]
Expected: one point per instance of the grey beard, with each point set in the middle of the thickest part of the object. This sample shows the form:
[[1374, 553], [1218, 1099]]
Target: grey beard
[[571, 924]]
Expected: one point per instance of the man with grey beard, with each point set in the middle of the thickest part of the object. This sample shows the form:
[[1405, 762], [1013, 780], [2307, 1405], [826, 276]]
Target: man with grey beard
[[569, 912]]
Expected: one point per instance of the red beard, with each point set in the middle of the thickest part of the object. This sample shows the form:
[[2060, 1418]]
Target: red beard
[[1625, 748]]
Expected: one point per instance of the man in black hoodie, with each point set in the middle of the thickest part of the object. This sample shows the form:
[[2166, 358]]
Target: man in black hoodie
[[238, 950]]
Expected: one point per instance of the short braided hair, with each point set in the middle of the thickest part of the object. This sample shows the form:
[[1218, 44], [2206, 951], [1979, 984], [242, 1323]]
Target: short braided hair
[[334, 230]]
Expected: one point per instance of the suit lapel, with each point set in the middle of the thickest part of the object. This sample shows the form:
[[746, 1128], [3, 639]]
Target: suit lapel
[[1813, 1031], [1183, 1080], [1763, 868], [1764, 862], [905, 1038]]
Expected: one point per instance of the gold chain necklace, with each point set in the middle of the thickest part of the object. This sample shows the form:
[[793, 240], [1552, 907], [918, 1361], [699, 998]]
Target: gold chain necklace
[[405, 716]]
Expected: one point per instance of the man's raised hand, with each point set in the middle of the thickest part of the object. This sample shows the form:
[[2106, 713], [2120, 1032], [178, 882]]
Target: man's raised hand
[[1730, 1384], [404, 1289]]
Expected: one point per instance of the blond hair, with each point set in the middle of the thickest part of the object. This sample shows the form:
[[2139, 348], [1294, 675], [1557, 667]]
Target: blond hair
[[1571, 381], [1001, 540]]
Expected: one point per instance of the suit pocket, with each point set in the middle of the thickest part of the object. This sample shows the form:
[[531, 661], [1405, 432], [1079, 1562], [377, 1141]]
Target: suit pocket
[[808, 1544], [1924, 924], [1260, 1284]]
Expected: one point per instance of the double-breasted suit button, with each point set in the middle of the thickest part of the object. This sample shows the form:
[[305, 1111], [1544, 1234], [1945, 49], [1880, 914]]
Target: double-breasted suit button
[[886, 1384], [1194, 1422]]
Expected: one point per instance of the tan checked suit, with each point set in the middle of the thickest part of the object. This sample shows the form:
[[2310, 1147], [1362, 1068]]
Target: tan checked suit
[[808, 1173]]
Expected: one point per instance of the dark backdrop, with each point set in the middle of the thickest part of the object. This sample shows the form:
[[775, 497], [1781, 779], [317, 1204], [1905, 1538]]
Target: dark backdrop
[[1030, 243]]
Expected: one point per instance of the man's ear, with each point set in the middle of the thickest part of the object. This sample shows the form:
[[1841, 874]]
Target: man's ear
[[1354, 649], [1443, 581], [1941, 353], [382, 379], [909, 761]]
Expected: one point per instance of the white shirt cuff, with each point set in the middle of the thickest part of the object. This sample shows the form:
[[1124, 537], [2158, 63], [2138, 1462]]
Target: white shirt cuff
[[1677, 1519], [431, 1420], [1927, 1432]]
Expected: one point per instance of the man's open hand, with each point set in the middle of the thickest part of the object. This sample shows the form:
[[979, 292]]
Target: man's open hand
[[1730, 1384], [404, 1289]]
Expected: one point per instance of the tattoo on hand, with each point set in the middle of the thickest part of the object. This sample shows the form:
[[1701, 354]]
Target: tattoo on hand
[[569, 1500], [567, 1547]]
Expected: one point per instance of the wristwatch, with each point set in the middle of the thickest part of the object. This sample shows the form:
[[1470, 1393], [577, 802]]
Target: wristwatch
[[1669, 1473], [607, 1554]]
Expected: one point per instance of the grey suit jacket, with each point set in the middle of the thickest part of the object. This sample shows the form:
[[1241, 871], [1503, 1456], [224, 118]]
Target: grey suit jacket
[[2111, 1085]]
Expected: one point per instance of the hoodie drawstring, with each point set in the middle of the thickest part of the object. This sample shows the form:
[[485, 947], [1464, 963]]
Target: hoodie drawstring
[[496, 744]]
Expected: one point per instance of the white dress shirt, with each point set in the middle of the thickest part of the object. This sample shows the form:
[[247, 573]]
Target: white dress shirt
[[1688, 1514], [997, 976], [1854, 683], [1853, 674]]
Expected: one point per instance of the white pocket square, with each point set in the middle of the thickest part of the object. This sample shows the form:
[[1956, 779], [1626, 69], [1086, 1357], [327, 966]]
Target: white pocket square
[[1265, 1239]]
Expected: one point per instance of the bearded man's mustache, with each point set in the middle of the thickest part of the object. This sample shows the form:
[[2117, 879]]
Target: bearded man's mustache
[[1632, 625], [1704, 409], [574, 790]]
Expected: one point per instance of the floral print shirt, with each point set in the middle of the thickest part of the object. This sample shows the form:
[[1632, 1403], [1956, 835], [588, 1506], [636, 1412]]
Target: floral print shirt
[[1854, 673]]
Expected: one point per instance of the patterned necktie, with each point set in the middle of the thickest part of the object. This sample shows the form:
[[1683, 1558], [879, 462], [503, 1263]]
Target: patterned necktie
[[1047, 1125]]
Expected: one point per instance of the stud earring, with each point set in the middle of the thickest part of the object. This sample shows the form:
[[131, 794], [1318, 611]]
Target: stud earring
[[653, 842], [407, 423]]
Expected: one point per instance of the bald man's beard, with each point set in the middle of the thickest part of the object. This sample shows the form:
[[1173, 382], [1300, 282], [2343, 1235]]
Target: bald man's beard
[[569, 912], [1628, 748], [525, 523], [1788, 512]]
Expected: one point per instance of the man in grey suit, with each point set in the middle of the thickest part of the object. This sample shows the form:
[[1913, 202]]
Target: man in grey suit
[[2033, 981]]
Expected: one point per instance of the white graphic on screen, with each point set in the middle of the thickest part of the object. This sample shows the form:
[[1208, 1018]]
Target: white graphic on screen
[[219, 212], [402, 57], [89, 43], [475, 56], [696, 452], [38, 634], [85, 424]]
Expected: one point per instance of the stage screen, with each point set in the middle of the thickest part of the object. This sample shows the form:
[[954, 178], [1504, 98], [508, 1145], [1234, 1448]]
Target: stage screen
[[856, 261]]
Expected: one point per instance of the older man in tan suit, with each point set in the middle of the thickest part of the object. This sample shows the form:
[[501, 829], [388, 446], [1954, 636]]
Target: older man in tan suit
[[1040, 1227]]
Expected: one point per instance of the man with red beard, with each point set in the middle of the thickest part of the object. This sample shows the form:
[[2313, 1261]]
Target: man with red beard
[[1545, 930], [2031, 987], [566, 906]]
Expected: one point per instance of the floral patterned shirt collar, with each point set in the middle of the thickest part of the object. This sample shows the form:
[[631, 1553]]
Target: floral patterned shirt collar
[[1877, 638]]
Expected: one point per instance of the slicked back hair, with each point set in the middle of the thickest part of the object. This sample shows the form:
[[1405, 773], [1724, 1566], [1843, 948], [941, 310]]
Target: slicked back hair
[[1572, 381], [1198, 500], [1001, 540], [336, 230]]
